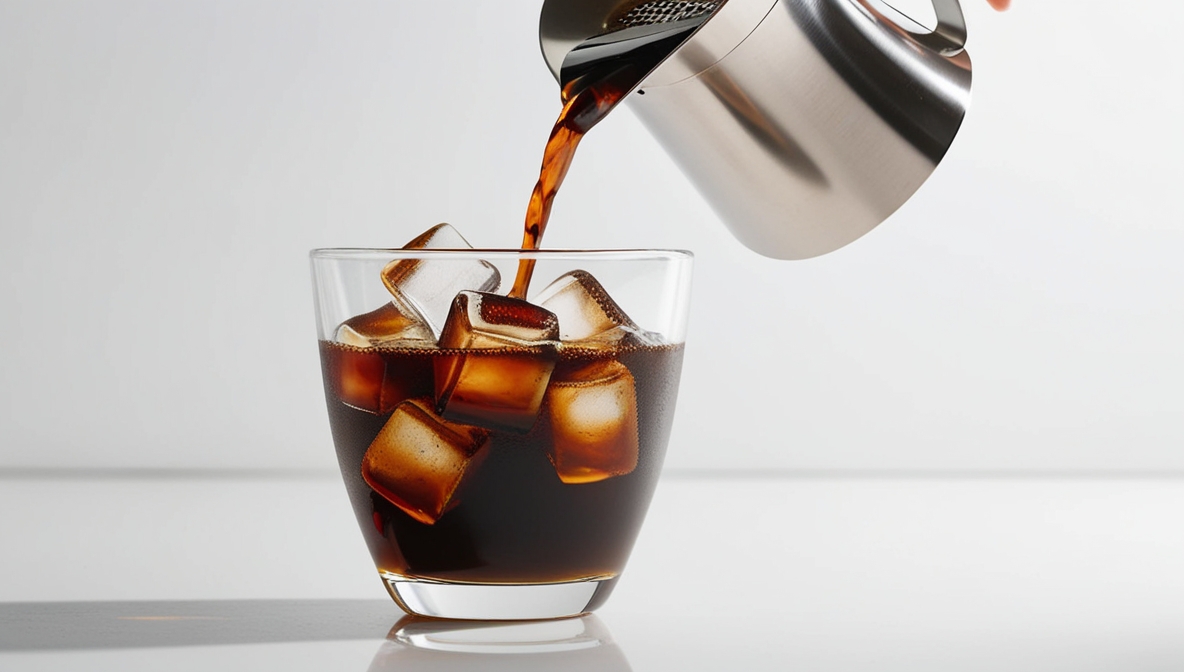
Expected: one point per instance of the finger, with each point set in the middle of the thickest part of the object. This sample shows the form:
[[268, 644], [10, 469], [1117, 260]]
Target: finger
[[1000, 4]]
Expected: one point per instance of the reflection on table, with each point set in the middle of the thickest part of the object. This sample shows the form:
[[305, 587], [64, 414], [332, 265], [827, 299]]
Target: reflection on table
[[574, 644], [139, 634]]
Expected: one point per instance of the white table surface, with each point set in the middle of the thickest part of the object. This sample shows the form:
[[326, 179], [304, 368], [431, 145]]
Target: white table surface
[[870, 572]]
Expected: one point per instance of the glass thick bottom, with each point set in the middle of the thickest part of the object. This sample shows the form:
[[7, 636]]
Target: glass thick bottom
[[498, 602]]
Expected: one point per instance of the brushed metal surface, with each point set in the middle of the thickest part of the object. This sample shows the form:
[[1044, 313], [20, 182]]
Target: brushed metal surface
[[806, 123]]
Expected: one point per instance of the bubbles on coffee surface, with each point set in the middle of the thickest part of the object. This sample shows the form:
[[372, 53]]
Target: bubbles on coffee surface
[[484, 370]]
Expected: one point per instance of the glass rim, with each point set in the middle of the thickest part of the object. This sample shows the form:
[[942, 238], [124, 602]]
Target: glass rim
[[343, 253]]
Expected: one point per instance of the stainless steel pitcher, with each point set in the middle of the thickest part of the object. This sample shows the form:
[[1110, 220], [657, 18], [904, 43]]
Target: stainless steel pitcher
[[804, 123]]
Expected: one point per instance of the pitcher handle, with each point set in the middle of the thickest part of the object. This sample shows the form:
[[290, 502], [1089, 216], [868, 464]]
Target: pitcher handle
[[949, 37]]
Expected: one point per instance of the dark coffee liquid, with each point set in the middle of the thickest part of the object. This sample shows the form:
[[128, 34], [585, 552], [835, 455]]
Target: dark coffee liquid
[[516, 521]]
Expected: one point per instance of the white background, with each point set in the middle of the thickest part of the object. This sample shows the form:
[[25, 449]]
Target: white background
[[164, 168]]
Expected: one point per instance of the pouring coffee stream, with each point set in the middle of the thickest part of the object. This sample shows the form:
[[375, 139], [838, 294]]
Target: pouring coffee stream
[[597, 75], [582, 109]]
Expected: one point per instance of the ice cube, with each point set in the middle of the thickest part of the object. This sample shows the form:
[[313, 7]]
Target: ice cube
[[429, 286], [509, 352], [370, 381], [588, 316], [419, 461], [387, 325], [593, 414]]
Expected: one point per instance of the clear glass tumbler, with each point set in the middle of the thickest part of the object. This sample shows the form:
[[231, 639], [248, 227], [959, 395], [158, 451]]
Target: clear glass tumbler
[[500, 454]]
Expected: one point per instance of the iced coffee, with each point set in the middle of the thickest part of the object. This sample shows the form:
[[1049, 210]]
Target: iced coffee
[[486, 439]]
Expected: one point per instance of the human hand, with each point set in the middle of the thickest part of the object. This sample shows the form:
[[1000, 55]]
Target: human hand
[[1000, 4]]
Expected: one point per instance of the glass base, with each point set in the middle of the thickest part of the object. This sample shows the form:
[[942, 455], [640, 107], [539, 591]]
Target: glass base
[[498, 602], [561, 635]]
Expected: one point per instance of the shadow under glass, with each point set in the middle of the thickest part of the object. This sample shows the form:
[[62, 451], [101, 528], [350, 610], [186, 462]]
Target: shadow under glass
[[63, 626]]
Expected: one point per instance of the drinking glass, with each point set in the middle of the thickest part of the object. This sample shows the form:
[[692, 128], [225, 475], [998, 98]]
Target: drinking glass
[[500, 455]]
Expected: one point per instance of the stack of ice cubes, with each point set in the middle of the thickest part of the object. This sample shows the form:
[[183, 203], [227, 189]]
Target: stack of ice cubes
[[497, 372]]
